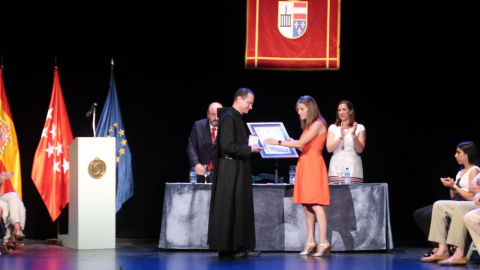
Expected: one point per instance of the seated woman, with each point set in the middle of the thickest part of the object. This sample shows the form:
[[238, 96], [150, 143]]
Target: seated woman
[[13, 216], [423, 216], [443, 210], [472, 221]]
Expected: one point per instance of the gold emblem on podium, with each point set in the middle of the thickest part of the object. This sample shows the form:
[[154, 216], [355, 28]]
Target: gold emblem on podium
[[97, 168]]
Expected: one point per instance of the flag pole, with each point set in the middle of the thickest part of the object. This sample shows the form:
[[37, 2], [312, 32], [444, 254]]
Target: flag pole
[[93, 122]]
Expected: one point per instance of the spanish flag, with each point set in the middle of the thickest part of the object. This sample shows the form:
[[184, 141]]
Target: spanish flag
[[9, 152]]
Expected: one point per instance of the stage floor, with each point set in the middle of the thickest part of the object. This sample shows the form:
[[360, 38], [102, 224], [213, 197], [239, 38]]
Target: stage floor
[[145, 254]]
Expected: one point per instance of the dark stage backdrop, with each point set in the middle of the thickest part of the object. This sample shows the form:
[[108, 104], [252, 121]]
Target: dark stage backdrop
[[410, 70]]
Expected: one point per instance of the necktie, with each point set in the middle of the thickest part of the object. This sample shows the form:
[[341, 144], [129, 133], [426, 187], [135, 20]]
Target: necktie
[[213, 135], [210, 166]]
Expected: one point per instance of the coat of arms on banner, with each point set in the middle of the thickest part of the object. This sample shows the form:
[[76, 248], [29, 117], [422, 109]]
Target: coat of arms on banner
[[5, 135], [292, 18]]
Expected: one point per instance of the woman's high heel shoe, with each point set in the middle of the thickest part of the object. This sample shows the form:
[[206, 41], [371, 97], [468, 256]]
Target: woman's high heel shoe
[[311, 247], [17, 235], [322, 248]]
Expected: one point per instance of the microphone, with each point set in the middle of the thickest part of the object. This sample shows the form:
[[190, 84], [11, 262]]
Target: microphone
[[91, 110]]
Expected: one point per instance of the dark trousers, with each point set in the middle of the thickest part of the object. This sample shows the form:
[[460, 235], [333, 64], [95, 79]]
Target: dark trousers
[[423, 218]]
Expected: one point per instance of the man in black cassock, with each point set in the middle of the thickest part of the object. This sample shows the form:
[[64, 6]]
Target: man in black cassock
[[231, 227]]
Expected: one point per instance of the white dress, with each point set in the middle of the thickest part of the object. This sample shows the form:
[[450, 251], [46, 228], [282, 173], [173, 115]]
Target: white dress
[[347, 156], [464, 181]]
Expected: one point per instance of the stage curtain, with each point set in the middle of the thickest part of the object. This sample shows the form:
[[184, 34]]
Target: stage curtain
[[293, 35]]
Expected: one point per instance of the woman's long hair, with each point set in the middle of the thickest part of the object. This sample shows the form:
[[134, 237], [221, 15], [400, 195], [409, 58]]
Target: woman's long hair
[[313, 111], [470, 148], [349, 104]]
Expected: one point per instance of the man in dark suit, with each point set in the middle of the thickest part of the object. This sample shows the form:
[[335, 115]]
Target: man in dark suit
[[200, 142]]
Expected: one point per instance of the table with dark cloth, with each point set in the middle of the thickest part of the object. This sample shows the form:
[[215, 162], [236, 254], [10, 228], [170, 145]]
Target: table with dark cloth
[[358, 217]]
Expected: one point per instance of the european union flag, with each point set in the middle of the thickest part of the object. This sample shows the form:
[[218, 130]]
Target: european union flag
[[111, 125]]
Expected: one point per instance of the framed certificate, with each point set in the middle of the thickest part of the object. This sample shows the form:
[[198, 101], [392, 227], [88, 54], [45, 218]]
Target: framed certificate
[[274, 130]]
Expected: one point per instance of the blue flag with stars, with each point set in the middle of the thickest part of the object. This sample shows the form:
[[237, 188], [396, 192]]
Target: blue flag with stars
[[111, 125]]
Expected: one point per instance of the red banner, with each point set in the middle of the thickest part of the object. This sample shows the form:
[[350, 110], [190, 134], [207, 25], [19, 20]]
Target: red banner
[[293, 34]]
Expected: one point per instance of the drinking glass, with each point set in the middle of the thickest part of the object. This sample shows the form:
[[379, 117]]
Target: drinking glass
[[339, 170], [206, 173]]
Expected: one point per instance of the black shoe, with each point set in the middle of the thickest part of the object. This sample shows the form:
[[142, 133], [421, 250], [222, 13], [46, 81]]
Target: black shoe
[[231, 254], [241, 254], [252, 253]]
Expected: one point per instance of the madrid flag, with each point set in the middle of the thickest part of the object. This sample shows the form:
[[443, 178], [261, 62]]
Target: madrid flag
[[50, 171], [9, 153], [293, 35]]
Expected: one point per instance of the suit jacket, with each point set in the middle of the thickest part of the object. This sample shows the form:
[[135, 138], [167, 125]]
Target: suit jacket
[[199, 148]]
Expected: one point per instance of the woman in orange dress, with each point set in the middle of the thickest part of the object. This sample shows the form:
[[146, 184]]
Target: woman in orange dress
[[311, 184]]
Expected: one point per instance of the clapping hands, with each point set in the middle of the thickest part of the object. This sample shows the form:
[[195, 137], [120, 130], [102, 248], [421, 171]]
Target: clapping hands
[[354, 127], [352, 130], [447, 182]]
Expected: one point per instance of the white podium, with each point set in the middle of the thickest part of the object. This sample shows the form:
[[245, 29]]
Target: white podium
[[91, 213]]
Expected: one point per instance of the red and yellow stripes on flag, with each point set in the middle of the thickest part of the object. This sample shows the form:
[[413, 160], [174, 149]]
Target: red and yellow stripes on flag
[[293, 35], [51, 170], [9, 152]]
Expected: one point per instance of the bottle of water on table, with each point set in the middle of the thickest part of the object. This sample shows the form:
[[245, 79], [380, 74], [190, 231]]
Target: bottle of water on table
[[347, 175], [193, 176], [291, 174]]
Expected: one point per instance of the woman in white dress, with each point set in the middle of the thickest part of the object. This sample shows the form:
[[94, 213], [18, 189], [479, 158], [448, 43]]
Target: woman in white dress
[[346, 139]]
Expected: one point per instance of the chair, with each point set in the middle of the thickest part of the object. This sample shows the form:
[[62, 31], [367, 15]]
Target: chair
[[470, 250], [266, 178]]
